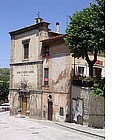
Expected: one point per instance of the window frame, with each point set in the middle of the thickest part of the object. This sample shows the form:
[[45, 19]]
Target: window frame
[[79, 67], [26, 49], [26, 52], [96, 70]]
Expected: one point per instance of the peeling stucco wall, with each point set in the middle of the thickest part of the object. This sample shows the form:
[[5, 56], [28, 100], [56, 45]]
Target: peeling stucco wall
[[59, 64], [59, 73]]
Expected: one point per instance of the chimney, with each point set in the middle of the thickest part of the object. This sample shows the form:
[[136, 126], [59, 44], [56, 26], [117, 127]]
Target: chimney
[[57, 27]]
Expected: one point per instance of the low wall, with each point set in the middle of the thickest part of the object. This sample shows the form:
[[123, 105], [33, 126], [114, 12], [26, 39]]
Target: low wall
[[97, 111], [93, 107]]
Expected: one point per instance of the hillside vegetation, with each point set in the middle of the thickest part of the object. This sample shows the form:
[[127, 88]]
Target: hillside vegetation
[[4, 84], [4, 74]]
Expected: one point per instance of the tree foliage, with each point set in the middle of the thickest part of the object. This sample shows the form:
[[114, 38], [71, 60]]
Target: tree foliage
[[86, 33], [4, 74], [4, 90], [4, 84], [98, 88]]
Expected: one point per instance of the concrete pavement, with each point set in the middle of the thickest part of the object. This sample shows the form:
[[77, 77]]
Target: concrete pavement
[[15, 128]]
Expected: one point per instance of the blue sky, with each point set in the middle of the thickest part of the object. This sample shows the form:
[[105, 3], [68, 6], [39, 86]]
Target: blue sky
[[15, 14]]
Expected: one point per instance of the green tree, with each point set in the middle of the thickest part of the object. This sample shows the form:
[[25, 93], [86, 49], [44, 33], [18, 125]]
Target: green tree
[[4, 91], [4, 84], [86, 33], [4, 74]]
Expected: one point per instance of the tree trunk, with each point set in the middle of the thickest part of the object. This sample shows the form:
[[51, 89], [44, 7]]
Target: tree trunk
[[91, 62], [90, 69]]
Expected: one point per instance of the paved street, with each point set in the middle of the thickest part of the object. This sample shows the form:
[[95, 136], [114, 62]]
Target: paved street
[[16, 128]]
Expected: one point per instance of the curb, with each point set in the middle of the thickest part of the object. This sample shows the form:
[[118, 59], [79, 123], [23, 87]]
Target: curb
[[81, 130]]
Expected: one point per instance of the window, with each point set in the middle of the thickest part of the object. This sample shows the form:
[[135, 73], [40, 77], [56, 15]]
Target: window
[[61, 111], [81, 70], [26, 51], [46, 76], [97, 72], [45, 51], [26, 48]]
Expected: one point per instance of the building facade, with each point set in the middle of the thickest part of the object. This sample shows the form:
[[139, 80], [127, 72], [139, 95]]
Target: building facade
[[57, 78], [41, 68]]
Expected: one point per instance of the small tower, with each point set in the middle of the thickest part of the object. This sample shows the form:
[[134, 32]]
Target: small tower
[[38, 19]]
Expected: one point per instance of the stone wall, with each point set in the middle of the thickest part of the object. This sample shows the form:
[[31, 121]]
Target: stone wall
[[93, 107], [97, 111], [81, 93], [29, 71], [35, 105], [14, 102]]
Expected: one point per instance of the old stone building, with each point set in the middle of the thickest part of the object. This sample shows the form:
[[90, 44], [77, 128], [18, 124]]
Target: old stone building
[[41, 68], [39, 72]]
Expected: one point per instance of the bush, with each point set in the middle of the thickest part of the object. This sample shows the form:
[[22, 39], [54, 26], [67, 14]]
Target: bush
[[98, 88]]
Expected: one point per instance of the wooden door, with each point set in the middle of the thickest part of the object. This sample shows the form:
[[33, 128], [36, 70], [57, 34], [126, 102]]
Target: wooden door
[[50, 110], [24, 105]]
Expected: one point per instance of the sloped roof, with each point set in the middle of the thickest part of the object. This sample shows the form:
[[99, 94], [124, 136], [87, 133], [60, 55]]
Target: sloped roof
[[29, 28], [54, 38]]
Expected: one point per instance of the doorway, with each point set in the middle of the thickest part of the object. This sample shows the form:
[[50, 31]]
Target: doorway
[[24, 105], [50, 110]]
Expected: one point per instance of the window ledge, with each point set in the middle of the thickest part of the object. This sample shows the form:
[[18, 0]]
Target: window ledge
[[25, 60], [45, 86]]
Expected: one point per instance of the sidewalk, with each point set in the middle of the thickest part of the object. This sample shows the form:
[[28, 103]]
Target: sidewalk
[[84, 129]]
